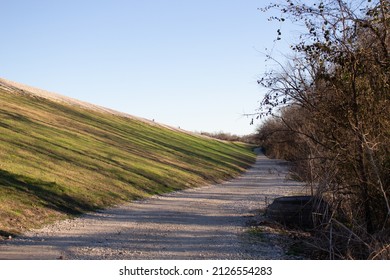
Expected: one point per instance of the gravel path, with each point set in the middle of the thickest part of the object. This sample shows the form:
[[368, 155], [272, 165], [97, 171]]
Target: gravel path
[[203, 223]]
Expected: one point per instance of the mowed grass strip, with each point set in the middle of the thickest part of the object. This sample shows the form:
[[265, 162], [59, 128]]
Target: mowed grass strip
[[58, 160]]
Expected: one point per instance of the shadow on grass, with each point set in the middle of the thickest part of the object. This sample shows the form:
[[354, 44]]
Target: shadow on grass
[[49, 194], [5, 234]]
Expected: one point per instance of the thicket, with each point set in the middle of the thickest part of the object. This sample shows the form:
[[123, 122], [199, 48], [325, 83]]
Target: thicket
[[328, 111]]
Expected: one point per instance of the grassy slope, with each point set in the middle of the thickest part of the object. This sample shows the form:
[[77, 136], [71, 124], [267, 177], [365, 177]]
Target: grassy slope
[[58, 160]]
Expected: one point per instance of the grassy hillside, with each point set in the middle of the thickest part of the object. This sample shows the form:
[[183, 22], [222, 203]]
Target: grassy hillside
[[58, 160]]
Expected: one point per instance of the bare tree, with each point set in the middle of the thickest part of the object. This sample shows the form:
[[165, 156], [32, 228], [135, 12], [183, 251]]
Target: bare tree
[[337, 87]]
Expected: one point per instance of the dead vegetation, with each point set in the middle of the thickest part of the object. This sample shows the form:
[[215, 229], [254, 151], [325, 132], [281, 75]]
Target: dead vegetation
[[329, 115]]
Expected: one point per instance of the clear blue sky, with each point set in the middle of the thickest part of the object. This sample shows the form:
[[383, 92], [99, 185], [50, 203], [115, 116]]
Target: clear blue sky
[[187, 63]]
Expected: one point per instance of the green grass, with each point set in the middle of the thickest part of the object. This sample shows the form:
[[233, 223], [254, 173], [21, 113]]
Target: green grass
[[58, 160]]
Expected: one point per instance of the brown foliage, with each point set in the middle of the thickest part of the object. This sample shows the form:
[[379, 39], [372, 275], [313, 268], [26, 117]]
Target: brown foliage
[[335, 125]]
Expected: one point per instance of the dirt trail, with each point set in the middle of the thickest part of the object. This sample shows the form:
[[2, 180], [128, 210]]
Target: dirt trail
[[202, 223]]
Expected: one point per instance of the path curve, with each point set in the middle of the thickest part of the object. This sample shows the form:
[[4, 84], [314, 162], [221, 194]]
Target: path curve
[[202, 223]]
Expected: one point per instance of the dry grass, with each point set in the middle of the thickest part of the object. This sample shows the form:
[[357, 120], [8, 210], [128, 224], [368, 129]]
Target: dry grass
[[58, 159]]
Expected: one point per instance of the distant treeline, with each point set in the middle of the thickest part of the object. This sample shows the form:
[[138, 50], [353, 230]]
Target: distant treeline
[[250, 138]]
